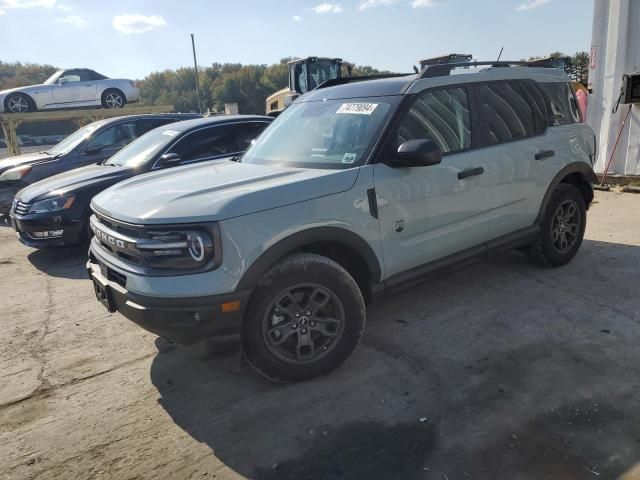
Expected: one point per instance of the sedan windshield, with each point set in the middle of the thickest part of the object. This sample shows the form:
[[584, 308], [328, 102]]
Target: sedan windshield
[[326, 134], [53, 78], [73, 140], [144, 148]]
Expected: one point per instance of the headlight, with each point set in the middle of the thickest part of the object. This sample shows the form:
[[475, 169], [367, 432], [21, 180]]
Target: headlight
[[176, 248], [15, 173], [53, 204]]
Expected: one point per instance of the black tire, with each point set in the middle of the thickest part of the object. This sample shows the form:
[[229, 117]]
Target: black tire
[[549, 250], [19, 103], [299, 277], [113, 98]]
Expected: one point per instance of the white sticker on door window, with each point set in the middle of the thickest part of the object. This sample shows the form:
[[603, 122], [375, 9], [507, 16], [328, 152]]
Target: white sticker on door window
[[349, 158], [358, 108]]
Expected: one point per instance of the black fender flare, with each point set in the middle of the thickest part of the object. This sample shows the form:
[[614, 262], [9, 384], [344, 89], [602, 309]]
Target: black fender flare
[[306, 237], [575, 167]]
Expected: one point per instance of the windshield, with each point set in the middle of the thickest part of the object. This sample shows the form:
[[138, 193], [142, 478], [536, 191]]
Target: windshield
[[53, 78], [73, 140], [327, 134], [144, 148]]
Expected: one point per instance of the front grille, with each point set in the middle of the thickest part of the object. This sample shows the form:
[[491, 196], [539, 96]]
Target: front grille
[[114, 276], [20, 208], [122, 247]]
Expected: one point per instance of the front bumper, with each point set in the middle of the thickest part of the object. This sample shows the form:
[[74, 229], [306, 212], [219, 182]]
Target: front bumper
[[26, 226], [186, 321]]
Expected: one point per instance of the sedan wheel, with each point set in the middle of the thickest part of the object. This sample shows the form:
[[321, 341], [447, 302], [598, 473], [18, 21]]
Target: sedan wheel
[[18, 104]]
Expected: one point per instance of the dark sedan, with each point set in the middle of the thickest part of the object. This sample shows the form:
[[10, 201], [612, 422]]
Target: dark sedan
[[89, 145], [55, 211]]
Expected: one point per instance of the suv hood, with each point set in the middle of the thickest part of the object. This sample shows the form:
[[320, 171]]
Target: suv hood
[[25, 159], [73, 180], [216, 191]]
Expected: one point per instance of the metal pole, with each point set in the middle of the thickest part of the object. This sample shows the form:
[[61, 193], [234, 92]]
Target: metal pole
[[195, 64]]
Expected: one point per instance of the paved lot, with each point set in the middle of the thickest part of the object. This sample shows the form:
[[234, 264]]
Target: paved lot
[[500, 371]]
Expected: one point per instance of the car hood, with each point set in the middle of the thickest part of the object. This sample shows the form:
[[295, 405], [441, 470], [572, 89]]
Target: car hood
[[25, 159], [217, 191], [91, 176]]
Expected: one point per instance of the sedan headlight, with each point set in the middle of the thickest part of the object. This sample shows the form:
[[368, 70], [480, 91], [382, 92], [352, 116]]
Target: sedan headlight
[[53, 204], [177, 248], [15, 173]]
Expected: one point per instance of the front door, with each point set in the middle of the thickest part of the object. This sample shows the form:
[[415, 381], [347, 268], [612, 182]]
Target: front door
[[74, 86], [426, 213]]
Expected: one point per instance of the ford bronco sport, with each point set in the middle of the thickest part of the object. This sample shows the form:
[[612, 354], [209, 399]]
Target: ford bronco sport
[[357, 189]]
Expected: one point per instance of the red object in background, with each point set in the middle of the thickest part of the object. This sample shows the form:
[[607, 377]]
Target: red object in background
[[582, 99]]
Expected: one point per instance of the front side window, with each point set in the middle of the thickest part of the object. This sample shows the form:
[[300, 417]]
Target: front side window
[[505, 111], [326, 134], [116, 136], [439, 115], [75, 76], [205, 143], [245, 132]]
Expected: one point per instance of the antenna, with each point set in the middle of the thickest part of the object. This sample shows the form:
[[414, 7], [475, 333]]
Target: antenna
[[500, 54]]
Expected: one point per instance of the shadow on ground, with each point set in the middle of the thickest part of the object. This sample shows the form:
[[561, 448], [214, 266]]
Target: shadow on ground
[[64, 262], [531, 375]]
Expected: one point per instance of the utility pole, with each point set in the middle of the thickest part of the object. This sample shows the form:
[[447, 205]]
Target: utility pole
[[195, 64]]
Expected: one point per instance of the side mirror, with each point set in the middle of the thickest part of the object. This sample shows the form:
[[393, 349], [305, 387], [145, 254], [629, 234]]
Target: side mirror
[[417, 153], [63, 80], [169, 160], [91, 149]]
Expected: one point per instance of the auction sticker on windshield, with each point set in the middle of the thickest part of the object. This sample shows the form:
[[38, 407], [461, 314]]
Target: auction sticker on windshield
[[358, 108]]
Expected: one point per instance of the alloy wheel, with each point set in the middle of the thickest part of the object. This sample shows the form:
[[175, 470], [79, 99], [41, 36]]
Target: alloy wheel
[[303, 323], [18, 104], [565, 227], [113, 100]]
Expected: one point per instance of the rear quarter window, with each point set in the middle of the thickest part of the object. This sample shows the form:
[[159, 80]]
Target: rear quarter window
[[562, 108]]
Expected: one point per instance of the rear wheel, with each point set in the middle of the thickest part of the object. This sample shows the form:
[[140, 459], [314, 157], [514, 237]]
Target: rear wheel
[[562, 228], [305, 318], [19, 103], [113, 99]]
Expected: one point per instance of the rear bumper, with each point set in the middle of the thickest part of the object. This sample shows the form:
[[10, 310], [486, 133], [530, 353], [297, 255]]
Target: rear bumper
[[186, 321], [27, 226]]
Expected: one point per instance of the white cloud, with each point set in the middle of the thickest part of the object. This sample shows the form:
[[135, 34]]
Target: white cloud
[[74, 20], [9, 4], [297, 18], [424, 3], [137, 23], [2, 12], [327, 8], [364, 4], [531, 4]]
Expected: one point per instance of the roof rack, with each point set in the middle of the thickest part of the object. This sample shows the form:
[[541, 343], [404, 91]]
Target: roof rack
[[445, 68], [344, 80]]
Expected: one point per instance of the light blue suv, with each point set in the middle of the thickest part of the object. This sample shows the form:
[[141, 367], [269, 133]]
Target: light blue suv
[[358, 189]]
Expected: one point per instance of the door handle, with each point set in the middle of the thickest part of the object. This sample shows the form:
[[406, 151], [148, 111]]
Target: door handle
[[542, 154], [470, 172], [89, 85]]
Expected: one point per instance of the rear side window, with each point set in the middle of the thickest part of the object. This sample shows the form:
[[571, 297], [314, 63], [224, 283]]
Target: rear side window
[[439, 115], [205, 143], [506, 112], [561, 103], [246, 132]]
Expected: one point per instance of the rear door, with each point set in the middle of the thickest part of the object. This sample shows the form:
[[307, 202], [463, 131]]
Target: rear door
[[426, 213], [511, 134]]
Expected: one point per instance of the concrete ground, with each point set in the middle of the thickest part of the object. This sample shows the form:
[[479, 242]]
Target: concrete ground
[[500, 371]]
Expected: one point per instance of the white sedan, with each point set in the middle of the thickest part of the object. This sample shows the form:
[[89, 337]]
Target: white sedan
[[75, 88]]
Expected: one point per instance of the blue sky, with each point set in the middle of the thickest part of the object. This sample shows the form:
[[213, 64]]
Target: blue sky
[[130, 38]]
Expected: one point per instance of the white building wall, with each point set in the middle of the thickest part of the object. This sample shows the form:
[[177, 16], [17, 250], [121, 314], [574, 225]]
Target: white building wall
[[615, 50]]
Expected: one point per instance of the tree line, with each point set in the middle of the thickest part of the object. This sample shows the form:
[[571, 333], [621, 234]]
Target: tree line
[[220, 83]]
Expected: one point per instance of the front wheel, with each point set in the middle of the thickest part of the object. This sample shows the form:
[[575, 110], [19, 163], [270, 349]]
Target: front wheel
[[113, 99], [305, 318], [19, 103], [562, 228]]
